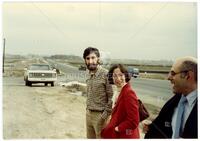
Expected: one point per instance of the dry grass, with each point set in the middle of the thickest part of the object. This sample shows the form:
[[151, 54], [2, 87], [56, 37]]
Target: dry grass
[[15, 73]]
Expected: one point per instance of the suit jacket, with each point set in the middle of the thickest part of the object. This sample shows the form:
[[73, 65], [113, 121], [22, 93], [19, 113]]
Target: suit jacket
[[125, 115], [161, 126]]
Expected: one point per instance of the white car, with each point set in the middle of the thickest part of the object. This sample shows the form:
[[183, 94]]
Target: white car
[[39, 73]]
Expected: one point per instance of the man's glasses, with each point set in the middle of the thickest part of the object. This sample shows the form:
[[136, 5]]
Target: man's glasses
[[173, 73]]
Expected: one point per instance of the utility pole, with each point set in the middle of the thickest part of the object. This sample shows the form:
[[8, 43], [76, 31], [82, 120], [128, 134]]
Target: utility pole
[[4, 43]]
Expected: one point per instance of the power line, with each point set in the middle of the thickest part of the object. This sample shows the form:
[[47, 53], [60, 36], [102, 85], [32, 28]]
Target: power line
[[48, 19], [148, 21], [51, 22]]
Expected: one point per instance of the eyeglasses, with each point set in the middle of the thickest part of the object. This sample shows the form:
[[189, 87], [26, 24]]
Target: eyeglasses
[[173, 73], [118, 75]]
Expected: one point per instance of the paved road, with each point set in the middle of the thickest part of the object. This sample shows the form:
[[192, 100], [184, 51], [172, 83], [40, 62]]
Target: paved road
[[150, 89], [71, 73]]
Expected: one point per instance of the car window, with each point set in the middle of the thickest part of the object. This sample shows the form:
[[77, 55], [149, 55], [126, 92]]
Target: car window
[[136, 70], [39, 67]]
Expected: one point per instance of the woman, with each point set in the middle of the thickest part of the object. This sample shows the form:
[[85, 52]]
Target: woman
[[125, 115]]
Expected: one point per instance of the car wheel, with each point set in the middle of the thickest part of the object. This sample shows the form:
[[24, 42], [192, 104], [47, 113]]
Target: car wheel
[[30, 84], [26, 82]]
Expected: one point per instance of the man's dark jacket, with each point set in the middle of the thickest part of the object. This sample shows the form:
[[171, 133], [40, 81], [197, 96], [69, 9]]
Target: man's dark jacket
[[161, 127]]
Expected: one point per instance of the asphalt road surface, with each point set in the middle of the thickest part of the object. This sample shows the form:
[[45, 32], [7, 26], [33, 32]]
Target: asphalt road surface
[[148, 88]]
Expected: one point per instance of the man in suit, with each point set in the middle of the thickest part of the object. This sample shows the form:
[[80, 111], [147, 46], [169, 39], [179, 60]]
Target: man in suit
[[178, 119]]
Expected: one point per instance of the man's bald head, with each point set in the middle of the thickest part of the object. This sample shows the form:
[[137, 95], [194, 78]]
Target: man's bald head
[[187, 63]]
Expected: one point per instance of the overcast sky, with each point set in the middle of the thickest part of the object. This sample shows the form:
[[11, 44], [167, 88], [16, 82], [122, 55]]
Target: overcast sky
[[130, 30]]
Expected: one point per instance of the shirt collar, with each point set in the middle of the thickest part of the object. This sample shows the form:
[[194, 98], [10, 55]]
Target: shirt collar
[[191, 97], [97, 72]]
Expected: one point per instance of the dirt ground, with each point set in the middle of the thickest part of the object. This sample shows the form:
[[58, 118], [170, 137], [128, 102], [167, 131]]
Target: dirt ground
[[42, 112]]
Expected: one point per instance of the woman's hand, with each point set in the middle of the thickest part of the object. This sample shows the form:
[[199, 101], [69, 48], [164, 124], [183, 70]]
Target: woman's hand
[[145, 125], [116, 129]]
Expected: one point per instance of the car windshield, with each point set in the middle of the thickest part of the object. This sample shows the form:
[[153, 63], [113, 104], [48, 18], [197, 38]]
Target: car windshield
[[39, 67], [130, 69], [136, 70]]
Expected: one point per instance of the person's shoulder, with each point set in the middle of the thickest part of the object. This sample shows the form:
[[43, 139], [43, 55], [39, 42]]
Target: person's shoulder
[[171, 103], [129, 91], [129, 88], [103, 70], [174, 99]]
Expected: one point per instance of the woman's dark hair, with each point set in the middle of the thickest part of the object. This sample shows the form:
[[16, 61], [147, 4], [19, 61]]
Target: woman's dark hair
[[90, 50], [122, 69]]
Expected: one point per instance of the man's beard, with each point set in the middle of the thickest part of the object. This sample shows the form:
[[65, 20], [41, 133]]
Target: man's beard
[[92, 67]]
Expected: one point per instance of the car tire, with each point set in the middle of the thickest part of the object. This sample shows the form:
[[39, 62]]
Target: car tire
[[26, 82], [30, 83]]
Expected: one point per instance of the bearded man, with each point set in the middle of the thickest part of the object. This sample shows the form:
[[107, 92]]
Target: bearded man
[[99, 94]]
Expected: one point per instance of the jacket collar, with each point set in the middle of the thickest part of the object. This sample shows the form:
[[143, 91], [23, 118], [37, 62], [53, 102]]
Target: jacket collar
[[120, 96]]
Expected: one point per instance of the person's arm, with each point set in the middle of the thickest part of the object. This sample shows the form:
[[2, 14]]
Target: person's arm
[[109, 94], [145, 125]]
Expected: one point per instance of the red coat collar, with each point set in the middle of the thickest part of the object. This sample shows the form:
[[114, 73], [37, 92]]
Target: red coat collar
[[121, 96]]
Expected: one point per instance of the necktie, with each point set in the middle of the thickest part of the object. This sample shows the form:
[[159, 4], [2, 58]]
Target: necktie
[[180, 117]]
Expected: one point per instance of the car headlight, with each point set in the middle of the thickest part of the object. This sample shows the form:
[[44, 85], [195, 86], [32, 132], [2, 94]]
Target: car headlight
[[54, 75], [30, 74]]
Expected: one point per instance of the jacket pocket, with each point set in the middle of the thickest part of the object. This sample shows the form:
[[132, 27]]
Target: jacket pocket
[[109, 133]]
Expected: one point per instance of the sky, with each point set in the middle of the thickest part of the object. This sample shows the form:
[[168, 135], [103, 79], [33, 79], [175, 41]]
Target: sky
[[120, 30]]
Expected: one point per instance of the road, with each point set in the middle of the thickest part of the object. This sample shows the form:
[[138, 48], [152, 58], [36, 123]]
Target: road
[[71, 73], [152, 89], [148, 88]]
